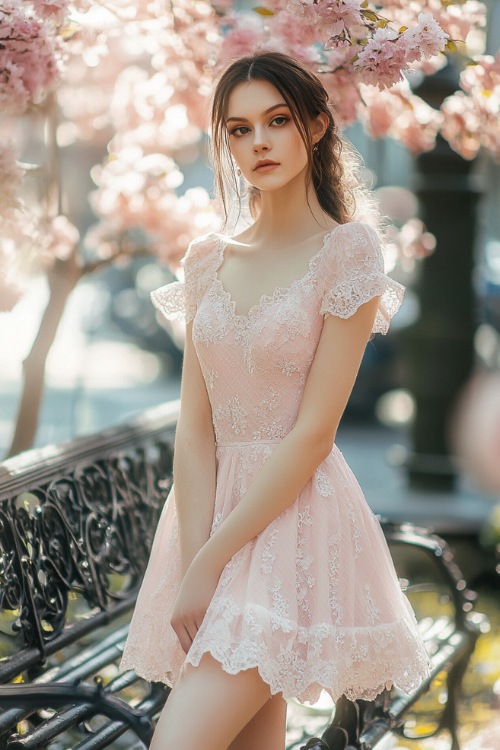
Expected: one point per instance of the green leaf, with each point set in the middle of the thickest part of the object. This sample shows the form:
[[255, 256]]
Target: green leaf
[[263, 11]]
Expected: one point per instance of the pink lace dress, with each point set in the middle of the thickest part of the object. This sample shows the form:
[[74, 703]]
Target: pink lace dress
[[313, 601]]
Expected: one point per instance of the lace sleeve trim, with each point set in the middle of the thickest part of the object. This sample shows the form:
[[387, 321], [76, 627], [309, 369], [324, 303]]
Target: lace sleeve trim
[[170, 300], [347, 297], [179, 300], [355, 274]]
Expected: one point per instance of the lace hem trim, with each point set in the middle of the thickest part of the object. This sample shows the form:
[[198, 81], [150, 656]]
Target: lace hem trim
[[355, 671]]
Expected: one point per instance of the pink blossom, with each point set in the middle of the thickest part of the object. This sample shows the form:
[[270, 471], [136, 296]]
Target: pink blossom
[[338, 18], [483, 76], [409, 244], [406, 237], [88, 114], [472, 118], [53, 10], [397, 112], [341, 56], [380, 113], [462, 124], [333, 19], [414, 240], [426, 39], [246, 36], [171, 222], [303, 10], [457, 19], [388, 53], [29, 59], [418, 126], [296, 38], [344, 94], [192, 214], [381, 61], [56, 239], [133, 187]]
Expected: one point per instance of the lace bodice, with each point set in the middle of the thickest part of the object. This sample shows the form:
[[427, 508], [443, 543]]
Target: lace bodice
[[276, 340]]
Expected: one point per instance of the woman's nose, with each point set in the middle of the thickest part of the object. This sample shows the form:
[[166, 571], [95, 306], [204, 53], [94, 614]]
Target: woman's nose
[[260, 141]]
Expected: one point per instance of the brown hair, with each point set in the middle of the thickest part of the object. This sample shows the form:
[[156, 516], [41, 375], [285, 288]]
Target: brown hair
[[333, 166]]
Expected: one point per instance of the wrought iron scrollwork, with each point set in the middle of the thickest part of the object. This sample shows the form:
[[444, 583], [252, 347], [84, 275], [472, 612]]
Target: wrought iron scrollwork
[[83, 530]]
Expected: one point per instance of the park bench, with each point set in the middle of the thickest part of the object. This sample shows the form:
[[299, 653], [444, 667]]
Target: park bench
[[428, 573], [76, 525]]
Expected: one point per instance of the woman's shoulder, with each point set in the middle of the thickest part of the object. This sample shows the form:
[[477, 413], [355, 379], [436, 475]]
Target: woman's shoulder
[[354, 239], [201, 246], [200, 253], [357, 228]]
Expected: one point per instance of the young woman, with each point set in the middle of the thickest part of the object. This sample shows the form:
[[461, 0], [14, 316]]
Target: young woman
[[269, 576]]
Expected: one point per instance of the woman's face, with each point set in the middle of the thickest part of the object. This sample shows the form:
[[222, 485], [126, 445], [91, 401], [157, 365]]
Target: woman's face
[[263, 137]]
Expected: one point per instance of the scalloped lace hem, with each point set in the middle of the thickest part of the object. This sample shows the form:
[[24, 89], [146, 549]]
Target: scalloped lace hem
[[304, 693], [357, 672]]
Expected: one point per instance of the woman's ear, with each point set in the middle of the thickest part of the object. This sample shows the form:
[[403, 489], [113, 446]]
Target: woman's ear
[[318, 127]]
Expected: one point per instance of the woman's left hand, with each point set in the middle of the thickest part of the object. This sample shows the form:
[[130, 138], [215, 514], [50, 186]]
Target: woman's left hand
[[195, 594]]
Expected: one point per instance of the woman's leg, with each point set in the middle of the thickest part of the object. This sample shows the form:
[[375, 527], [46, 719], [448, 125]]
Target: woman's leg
[[267, 729], [207, 707]]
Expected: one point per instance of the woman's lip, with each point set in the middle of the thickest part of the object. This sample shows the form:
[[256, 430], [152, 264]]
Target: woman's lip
[[266, 167]]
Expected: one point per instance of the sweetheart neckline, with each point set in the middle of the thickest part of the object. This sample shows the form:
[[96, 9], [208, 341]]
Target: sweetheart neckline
[[278, 291]]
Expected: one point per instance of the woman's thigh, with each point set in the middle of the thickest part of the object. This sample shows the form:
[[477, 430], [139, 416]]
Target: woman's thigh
[[208, 708], [267, 729]]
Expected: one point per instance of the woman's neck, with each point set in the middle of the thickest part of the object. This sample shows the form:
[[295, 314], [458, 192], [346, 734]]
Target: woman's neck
[[292, 213]]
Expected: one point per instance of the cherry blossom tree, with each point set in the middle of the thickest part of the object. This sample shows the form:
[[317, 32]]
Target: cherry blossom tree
[[137, 74]]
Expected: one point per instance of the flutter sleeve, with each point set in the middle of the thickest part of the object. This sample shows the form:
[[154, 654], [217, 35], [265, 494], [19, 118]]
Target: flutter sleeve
[[355, 274], [179, 299]]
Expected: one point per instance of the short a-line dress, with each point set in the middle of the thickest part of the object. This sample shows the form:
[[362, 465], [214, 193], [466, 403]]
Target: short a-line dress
[[313, 601]]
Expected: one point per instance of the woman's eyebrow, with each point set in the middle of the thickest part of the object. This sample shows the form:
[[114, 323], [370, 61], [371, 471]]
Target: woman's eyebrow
[[270, 109]]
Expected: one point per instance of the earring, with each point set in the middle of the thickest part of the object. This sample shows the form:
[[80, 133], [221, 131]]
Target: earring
[[315, 149]]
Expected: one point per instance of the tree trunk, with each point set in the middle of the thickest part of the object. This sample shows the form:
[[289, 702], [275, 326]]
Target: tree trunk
[[62, 277]]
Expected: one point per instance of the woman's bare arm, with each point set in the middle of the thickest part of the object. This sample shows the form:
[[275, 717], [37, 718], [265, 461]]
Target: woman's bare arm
[[194, 458]]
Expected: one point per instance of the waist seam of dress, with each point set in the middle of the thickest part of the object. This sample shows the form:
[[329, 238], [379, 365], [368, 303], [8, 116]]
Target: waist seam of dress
[[237, 443]]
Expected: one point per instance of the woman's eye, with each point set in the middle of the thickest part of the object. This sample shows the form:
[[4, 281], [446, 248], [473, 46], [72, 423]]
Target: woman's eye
[[280, 120], [240, 130]]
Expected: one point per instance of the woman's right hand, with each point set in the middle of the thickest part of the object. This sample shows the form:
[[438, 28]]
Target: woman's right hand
[[195, 594]]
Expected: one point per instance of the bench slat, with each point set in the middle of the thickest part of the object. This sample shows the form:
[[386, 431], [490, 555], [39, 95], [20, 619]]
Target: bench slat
[[111, 731]]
